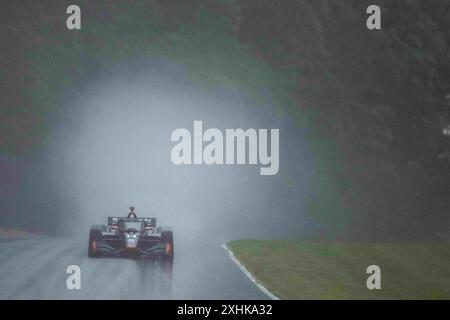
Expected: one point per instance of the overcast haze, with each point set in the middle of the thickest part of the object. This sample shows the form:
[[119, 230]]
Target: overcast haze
[[110, 149], [87, 116]]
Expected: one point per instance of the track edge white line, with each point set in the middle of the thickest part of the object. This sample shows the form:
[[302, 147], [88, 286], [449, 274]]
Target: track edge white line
[[248, 274]]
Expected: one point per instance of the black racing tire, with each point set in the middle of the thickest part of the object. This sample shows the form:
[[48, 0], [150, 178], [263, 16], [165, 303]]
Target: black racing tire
[[167, 236], [94, 235]]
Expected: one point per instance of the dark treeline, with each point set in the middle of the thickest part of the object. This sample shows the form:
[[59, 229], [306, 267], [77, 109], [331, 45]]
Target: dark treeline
[[379, 96]]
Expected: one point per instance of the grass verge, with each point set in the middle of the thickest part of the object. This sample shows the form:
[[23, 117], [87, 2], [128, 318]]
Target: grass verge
[[308, 270], [13, 234]]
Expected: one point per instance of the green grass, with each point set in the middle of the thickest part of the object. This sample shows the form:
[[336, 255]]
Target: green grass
[[308, 270]]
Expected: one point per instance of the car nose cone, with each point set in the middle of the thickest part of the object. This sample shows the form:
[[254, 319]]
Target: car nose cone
[[131, 242]]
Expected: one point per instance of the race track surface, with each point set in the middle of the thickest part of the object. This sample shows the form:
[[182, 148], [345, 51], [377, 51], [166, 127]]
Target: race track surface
[[36, 269]]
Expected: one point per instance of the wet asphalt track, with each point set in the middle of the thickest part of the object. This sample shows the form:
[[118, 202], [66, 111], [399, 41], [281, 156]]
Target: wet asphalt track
[[35, 269]]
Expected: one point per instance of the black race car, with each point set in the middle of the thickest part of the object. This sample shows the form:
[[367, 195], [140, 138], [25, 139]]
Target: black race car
[[137, 237]]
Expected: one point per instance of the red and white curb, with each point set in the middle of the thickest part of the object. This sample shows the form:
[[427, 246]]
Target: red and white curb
[[249, 275]]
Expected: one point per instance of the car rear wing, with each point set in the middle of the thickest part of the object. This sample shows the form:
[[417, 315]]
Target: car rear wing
[[149, 223]]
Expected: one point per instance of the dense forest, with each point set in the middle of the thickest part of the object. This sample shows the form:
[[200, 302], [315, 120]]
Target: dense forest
[[374, 103]]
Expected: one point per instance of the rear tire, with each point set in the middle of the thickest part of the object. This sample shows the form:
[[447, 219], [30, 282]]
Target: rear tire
[[94, 235], [167, 236]]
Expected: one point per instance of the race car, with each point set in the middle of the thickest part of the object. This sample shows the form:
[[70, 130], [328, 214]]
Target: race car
[[137, 237]]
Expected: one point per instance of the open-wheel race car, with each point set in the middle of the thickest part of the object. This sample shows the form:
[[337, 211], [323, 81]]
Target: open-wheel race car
[[136, 237]]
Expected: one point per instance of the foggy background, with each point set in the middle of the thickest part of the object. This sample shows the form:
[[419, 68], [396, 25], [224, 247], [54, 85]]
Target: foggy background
[[86, 116], [111, 148]]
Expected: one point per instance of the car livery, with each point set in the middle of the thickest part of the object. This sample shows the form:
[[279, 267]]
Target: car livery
[[138, 237]]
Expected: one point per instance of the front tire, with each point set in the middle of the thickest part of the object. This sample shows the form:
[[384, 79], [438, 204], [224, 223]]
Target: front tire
[[95, 235], [167, 237]]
